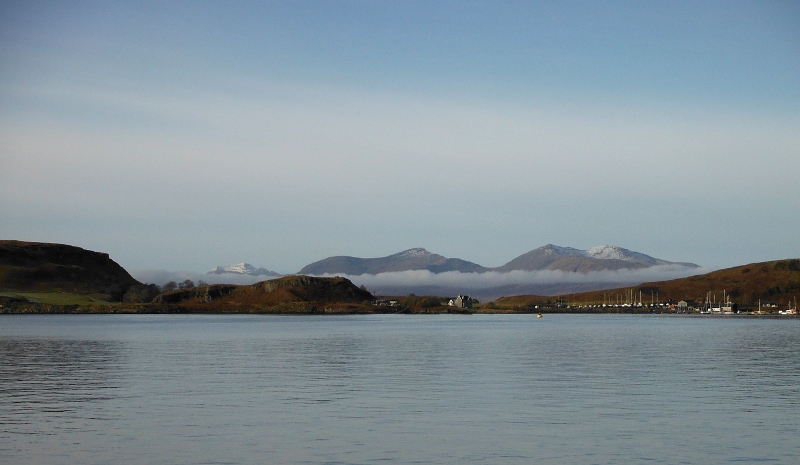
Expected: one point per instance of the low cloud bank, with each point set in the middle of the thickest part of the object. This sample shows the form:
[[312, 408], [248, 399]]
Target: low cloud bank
[[492, 279], [162, 277], [489, 285]]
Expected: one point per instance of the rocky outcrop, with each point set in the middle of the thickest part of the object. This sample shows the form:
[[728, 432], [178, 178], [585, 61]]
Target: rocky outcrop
[[309, 288]]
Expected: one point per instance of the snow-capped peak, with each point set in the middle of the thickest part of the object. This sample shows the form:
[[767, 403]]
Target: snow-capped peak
[[618, 253], [239, 268], [242, 268], [604, 252], [608, 252], [416, 252]]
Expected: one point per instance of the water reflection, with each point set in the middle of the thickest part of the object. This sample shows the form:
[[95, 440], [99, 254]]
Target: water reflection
[[48, 386], [483, 389]]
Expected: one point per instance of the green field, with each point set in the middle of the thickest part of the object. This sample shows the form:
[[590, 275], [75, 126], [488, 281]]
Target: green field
[[58, 298]]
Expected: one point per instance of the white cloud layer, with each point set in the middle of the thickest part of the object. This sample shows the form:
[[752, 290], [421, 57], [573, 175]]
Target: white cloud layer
[[455, 280], [162, 277], [459, 280]]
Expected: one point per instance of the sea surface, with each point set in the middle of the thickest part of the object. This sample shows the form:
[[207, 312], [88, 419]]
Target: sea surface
[[475, 389]]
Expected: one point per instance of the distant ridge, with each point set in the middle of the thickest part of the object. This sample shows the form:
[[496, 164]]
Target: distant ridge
[[599, 258], [407, 260], [244, 269], [548, 257]]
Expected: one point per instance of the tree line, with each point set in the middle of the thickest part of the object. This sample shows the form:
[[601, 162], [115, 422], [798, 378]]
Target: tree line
[[186, 284]]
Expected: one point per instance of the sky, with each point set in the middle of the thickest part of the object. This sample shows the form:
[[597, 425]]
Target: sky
[[186, 135]]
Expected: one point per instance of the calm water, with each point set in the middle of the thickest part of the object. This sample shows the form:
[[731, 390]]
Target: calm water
[[398, 389]]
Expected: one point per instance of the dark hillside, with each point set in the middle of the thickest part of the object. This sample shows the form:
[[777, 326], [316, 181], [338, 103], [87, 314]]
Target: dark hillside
[[307, 288], [282, 295], [43, 267]]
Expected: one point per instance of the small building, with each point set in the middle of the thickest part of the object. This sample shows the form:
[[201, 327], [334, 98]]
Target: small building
[[462, 301]]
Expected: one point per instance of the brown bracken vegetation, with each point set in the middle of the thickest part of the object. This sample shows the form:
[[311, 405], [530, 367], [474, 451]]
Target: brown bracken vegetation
[[775, 282]]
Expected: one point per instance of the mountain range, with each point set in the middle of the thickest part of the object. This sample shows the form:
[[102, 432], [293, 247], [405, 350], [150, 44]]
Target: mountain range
[[548, 257], [57, 278], [547, 270], [411, 259]]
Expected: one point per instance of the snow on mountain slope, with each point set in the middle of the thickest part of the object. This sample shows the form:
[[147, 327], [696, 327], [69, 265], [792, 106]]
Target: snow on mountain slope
[[243, 268], [602, 257], [610, 252]]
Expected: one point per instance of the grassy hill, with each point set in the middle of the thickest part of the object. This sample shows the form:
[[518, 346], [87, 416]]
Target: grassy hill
[[775, 282]]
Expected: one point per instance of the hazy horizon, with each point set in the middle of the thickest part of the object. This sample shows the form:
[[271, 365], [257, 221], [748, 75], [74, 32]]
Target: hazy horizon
[[187, 135], [485, 285], [423, 277]]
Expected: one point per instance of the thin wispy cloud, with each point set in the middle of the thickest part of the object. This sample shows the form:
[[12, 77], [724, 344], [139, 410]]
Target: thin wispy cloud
[[168, 140]]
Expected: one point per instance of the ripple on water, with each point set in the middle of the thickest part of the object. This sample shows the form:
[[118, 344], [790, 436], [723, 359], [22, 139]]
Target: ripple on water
[[480, 389]]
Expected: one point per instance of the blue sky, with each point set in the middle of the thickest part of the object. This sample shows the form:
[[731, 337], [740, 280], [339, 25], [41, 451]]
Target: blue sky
[[185, 135]]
